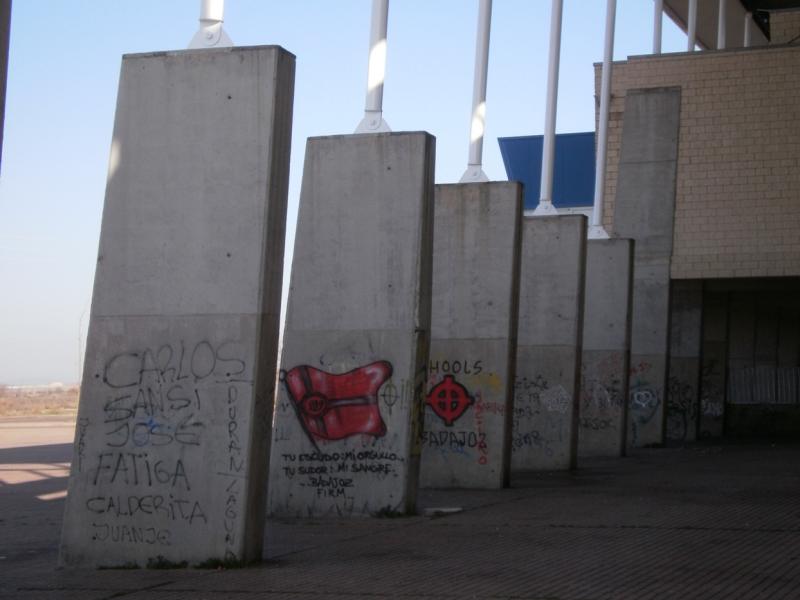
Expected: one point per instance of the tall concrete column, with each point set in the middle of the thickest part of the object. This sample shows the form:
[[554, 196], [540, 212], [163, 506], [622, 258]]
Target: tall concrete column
[[466, 440], [644, 211], [683, 401], [172, 438], [348, 420], [549, 338], [714, 364], [606, 348], [5, 33]]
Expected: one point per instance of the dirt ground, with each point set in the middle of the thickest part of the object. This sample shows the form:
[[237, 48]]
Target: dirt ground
[[33, 401]]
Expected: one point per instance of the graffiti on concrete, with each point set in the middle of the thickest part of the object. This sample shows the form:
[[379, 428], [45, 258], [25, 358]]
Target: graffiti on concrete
[[462, 423], [334, 407], [601, 386], [681, 409], [540, 416], [449, 400], [712, 398], [645, 399], [141, 486]]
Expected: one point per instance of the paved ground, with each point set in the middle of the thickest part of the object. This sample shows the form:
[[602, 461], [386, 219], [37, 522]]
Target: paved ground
[[710, 522]]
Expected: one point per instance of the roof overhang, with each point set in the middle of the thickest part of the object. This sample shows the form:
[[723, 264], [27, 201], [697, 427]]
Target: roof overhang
[[678, 11]]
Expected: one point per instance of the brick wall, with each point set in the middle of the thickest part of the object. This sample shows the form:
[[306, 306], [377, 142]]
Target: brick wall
[[784, 26], [737, 208]]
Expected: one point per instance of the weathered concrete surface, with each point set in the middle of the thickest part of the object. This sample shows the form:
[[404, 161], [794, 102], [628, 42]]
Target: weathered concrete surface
[[643, 211], [683, 394], [606, 348], [466, 438], [549, 338], [713, 366], [348, 420], [173, 426]]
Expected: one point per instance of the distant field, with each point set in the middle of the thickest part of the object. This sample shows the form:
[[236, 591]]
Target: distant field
[[23, 401]]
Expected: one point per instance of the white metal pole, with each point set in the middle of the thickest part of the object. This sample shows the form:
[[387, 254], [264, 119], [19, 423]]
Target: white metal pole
[[545, 206], [692, 26], [373, 111], [596, 231], [474, 170], [658, 11], [722, 24], [210, 33], [748, 29]]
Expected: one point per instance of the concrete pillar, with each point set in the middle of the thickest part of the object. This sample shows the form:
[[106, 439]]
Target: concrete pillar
[[348, 420], [466, 439], [5, 33], [606, 348], [644, 211], [172, 437], [549, 337], [683, 401], [714, 364]]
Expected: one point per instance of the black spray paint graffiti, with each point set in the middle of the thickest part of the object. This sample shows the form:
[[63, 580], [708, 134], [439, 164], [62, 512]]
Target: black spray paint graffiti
[[154, 416], [602, 393], [712, 398], [103, 532], [538, 418], [681, 409], [157, 395], [644, 399], [331, 474], [234, 475]]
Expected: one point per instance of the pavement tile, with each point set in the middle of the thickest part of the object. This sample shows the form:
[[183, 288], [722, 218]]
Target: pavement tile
[[703, 522]]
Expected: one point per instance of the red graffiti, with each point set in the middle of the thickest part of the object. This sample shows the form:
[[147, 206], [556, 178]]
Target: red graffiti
[[333, 407], [449, 399]]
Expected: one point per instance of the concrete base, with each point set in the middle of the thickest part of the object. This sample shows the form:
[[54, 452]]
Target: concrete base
[[348, 419], [683, 401], [550, 333], [606, 348], [172, 439], [466, 440]]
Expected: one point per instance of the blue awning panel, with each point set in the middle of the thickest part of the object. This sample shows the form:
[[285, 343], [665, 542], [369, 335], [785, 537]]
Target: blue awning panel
[[573, 173]]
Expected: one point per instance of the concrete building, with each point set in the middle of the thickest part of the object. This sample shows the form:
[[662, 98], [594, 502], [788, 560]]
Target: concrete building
[[729, 222], [702, 172]]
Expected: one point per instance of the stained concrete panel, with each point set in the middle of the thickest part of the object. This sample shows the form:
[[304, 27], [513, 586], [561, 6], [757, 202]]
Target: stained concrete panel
[[683, 388], [549, 338], [644, 211], [606, 348], [714, 364], [348, 419], [172, 438], [466, 437]]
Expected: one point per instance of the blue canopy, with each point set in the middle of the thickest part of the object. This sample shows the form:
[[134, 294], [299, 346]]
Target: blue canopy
[[573, 173]]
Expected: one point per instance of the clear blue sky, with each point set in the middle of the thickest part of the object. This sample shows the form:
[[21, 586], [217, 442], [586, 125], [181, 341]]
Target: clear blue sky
[[62, 85]]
